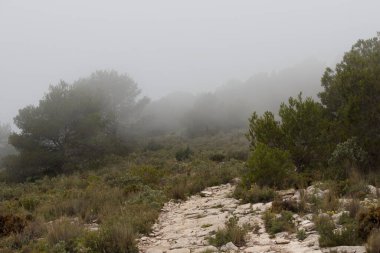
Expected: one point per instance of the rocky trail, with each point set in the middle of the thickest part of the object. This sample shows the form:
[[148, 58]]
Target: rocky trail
[[185, 226]]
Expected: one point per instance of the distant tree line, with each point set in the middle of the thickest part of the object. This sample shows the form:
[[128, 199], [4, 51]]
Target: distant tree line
[[75, 126], [230, 105]]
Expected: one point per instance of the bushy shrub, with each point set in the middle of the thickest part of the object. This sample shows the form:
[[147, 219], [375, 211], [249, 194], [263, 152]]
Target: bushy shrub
[[240, 155], [353, 187], [369, 220], [301, 234], [275, 224], [65, 233], [29, 202], [270, 167], [231, 233], [147, 175], [347, 155], [329, 236], [218, 157], [254, 194], [113, 238], [183, 154]]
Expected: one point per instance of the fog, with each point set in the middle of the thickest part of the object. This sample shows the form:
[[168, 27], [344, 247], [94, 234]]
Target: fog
[[227, 49]]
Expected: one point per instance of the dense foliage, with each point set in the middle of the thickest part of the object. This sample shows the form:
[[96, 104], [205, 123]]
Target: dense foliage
[[74, 126], [332, 138], [352, 97]]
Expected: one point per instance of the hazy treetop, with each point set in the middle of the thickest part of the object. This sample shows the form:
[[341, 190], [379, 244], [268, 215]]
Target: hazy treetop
[[168, 45]]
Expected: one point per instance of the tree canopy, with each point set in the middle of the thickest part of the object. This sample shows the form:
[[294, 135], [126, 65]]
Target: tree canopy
[[74, 126], [337, 135], [352, 97]]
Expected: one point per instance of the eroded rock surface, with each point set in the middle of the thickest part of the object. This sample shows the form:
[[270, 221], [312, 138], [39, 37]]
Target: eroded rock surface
[[185, 226]]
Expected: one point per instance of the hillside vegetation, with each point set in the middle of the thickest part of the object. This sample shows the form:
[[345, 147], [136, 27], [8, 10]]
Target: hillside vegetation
[[90, 174]]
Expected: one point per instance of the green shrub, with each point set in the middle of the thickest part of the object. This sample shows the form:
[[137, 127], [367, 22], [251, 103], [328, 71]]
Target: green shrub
[[369, 220], [301, 234], [65, 233], [147, 174], [278, 223], [29, 203], [218, 157], [353, 187], [270, 167], [32, 232], [240, 155], [113, 238], [346, 156], [231, 233], [255, 194], [183, 154], [329, 236]]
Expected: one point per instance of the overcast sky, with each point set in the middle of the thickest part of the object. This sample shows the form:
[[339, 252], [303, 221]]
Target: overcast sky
[[166, 46]]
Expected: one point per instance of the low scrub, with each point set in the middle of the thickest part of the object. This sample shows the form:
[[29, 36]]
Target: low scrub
[[218, 157], [113, 238], [276, 223], [183, 154], [369, 221], [330, 236], [254, 194], [64, 233], [231, 233], [301, 234]]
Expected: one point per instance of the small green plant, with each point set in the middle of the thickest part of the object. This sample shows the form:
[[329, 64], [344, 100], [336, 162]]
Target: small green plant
[[254, 194], [275, 224], [231, 233], [301, 234], [206, 225]]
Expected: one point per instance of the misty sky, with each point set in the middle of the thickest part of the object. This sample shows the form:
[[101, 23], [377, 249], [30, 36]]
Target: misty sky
[[166, 46]]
